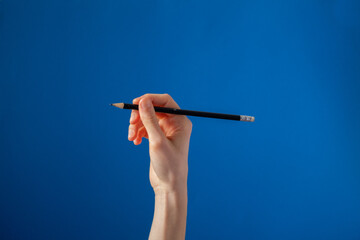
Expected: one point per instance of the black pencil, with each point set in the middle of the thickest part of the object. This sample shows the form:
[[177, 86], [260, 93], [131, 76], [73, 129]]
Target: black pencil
[[189, 112]]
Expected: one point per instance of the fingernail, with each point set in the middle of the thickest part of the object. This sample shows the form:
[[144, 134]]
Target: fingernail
[[131, 133]]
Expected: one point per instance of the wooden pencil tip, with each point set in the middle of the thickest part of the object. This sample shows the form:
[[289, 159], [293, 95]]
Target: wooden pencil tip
[[119, 105]]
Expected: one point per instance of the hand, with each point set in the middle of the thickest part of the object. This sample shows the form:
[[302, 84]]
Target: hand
[[169, 137]]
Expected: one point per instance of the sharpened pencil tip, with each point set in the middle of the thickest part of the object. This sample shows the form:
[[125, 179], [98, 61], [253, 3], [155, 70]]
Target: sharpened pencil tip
[[118, 105]]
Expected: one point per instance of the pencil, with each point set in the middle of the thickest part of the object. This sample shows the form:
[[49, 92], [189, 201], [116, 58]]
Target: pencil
[[243, 118]]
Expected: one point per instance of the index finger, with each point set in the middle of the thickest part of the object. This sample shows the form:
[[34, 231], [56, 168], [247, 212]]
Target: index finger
[[160, 100]]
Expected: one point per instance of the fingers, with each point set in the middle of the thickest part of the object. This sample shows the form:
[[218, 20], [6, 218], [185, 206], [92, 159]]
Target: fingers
[[137, 132], [133, 130], [150, 121], [161, 100], [141, 133], [134, 118], [147, 119]]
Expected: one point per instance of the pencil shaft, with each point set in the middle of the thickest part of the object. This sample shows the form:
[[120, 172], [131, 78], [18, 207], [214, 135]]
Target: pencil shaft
[[194, 113]]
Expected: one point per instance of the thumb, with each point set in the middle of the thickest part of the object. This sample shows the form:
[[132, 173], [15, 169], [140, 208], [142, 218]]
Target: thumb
[[150, 121]]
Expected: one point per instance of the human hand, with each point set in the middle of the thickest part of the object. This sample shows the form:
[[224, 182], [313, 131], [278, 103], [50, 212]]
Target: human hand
[[169, 137]]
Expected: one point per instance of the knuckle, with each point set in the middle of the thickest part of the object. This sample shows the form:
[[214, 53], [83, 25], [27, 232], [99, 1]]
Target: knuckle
[[189, 124], [137, 100], [167, 96], [147, 97]]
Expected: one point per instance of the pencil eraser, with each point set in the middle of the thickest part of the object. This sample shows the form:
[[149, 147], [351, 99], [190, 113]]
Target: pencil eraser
[[247, 118]]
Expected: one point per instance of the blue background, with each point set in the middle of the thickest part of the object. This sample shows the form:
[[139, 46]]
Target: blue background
[[67, 170]]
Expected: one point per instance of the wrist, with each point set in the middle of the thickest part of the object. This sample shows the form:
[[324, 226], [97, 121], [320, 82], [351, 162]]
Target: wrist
[[178, 190], [174, 200], [170, 214]]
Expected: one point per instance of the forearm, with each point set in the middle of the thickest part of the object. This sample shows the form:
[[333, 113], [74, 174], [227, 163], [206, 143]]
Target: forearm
[[170, 212]]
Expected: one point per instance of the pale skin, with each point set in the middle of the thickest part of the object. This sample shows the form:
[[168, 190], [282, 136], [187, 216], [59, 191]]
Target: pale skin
[[169, 138]]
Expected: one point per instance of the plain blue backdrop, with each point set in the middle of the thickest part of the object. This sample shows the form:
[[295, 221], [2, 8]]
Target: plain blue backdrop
[[67, 170]]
